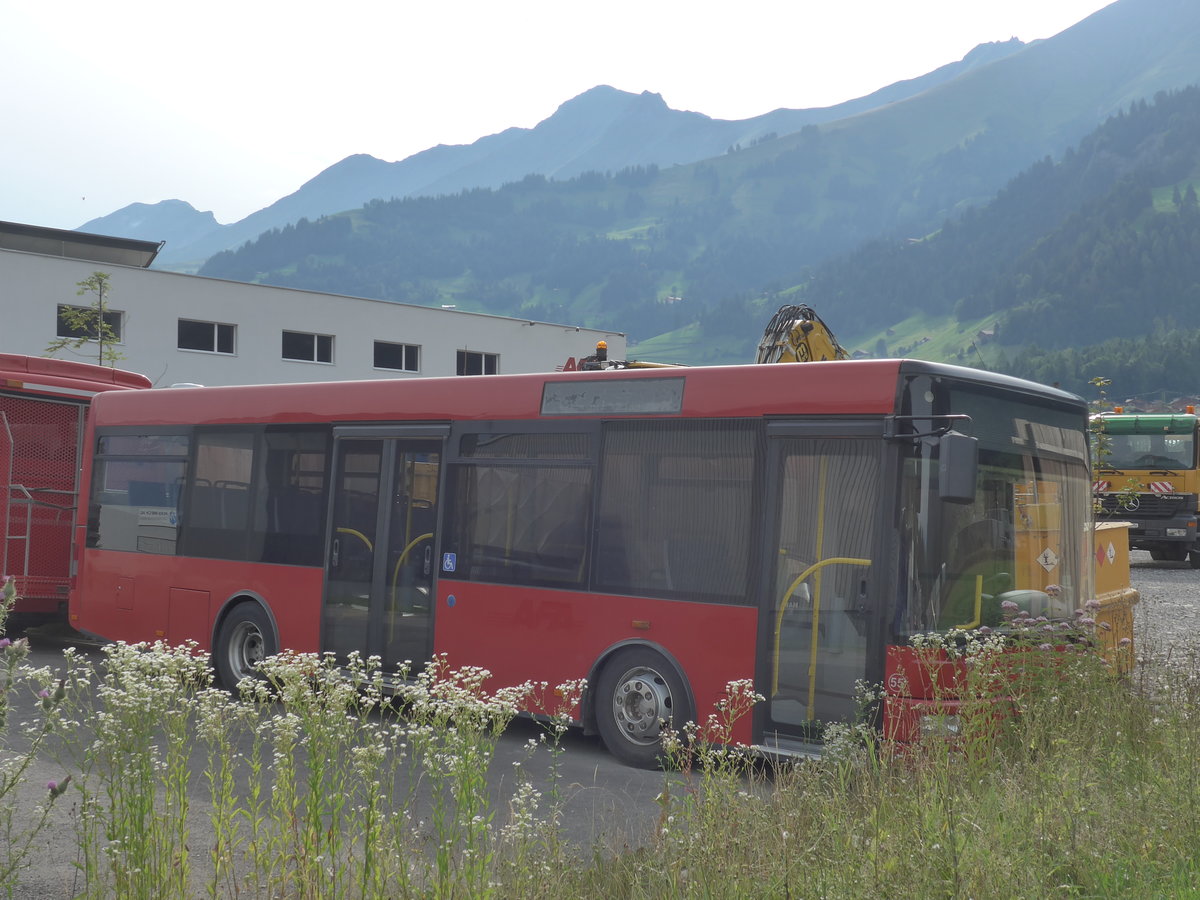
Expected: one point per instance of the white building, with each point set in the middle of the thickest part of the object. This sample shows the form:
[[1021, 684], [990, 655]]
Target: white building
[[178, 328]]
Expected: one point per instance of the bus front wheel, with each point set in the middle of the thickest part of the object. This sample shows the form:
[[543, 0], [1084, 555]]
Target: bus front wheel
[[639, 695], [246, 638]]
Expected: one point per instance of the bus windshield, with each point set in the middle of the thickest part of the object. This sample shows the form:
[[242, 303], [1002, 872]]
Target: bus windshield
[[1023, 539]]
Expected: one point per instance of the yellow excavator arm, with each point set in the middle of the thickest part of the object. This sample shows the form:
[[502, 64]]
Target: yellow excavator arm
[[797, 334]]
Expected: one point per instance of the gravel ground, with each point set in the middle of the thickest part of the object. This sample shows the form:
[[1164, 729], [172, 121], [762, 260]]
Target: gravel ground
[[1166, 619]]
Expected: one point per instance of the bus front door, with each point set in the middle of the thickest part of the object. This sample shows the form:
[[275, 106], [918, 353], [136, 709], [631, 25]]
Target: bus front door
[[379, 584], [819, 569]]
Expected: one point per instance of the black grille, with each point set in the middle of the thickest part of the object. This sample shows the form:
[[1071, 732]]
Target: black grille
[[1146, 506]]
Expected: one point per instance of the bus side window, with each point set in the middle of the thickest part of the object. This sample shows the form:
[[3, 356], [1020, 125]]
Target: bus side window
[[297, 477], [521, 524], [676, 504]]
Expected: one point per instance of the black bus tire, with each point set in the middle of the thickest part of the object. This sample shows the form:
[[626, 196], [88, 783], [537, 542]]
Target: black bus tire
[[638, 695], [246, 638]]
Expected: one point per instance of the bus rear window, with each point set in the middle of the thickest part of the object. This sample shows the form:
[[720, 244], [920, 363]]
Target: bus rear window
[[135, 505]]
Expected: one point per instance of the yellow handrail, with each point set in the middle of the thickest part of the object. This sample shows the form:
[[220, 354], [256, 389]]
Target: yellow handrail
[[358, 534], [400, 562], [978, 606], [815, 567], [396, 577]]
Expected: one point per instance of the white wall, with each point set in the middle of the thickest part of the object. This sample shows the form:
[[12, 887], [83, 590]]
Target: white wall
[[32, 286]]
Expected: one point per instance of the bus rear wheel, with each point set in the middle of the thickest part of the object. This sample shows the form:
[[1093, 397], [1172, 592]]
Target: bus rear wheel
[[246, 638], [639, 695]]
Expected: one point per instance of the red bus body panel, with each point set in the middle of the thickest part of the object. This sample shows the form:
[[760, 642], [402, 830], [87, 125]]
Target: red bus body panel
[[42, 405], [814, 389], [524, 634], [176, 598], [35, 374]]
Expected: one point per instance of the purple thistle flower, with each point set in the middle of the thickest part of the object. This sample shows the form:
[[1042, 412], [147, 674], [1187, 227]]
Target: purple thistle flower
[[56, 788]]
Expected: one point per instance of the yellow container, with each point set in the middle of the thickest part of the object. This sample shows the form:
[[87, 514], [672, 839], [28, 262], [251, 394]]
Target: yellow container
[[1110, 561]]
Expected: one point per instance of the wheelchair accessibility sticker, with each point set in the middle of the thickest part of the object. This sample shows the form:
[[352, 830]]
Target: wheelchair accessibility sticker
[[449, 562]]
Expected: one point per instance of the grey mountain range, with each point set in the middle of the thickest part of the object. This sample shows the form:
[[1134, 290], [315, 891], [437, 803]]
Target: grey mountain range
[[602, 129]]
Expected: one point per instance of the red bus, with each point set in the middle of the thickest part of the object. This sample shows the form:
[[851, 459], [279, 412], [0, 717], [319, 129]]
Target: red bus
[[43, 403], [660, 532]]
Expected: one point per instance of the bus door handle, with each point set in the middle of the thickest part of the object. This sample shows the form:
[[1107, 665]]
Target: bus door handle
[[428, 567], [335, 553]]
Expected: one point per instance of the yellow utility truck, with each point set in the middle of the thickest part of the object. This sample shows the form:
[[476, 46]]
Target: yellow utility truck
[[1145, 473]]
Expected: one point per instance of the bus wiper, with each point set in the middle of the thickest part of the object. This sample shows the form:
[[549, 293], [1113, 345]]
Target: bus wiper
[[1109, 471], [1162, 472]]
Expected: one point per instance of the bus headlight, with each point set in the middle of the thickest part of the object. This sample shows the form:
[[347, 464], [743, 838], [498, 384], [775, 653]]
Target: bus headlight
[[941, 726], [1176, 532]]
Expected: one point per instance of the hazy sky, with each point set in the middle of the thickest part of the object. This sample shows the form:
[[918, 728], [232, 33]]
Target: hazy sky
[[231, 105]]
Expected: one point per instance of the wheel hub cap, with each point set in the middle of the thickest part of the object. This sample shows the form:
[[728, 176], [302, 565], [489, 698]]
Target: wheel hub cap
[[641, 704]]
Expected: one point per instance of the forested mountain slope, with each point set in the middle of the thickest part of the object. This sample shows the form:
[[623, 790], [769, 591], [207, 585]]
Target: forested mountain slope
[[1102, 244]]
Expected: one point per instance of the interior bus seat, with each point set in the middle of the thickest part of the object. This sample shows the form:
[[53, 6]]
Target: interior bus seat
[[234, 499]]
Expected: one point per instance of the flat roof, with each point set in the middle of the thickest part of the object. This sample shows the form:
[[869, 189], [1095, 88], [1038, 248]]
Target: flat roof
[[101, 248]]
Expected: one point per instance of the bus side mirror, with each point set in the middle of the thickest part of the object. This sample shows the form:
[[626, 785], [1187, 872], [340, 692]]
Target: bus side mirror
[[958, 463]]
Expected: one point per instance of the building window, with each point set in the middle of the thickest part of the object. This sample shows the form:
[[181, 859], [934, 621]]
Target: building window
[[309, 347], [80, 322], [473, 363], [402, 357], [211, 337]]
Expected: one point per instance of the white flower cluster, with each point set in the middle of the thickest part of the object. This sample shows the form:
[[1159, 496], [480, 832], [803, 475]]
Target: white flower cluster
[[969, 644]]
